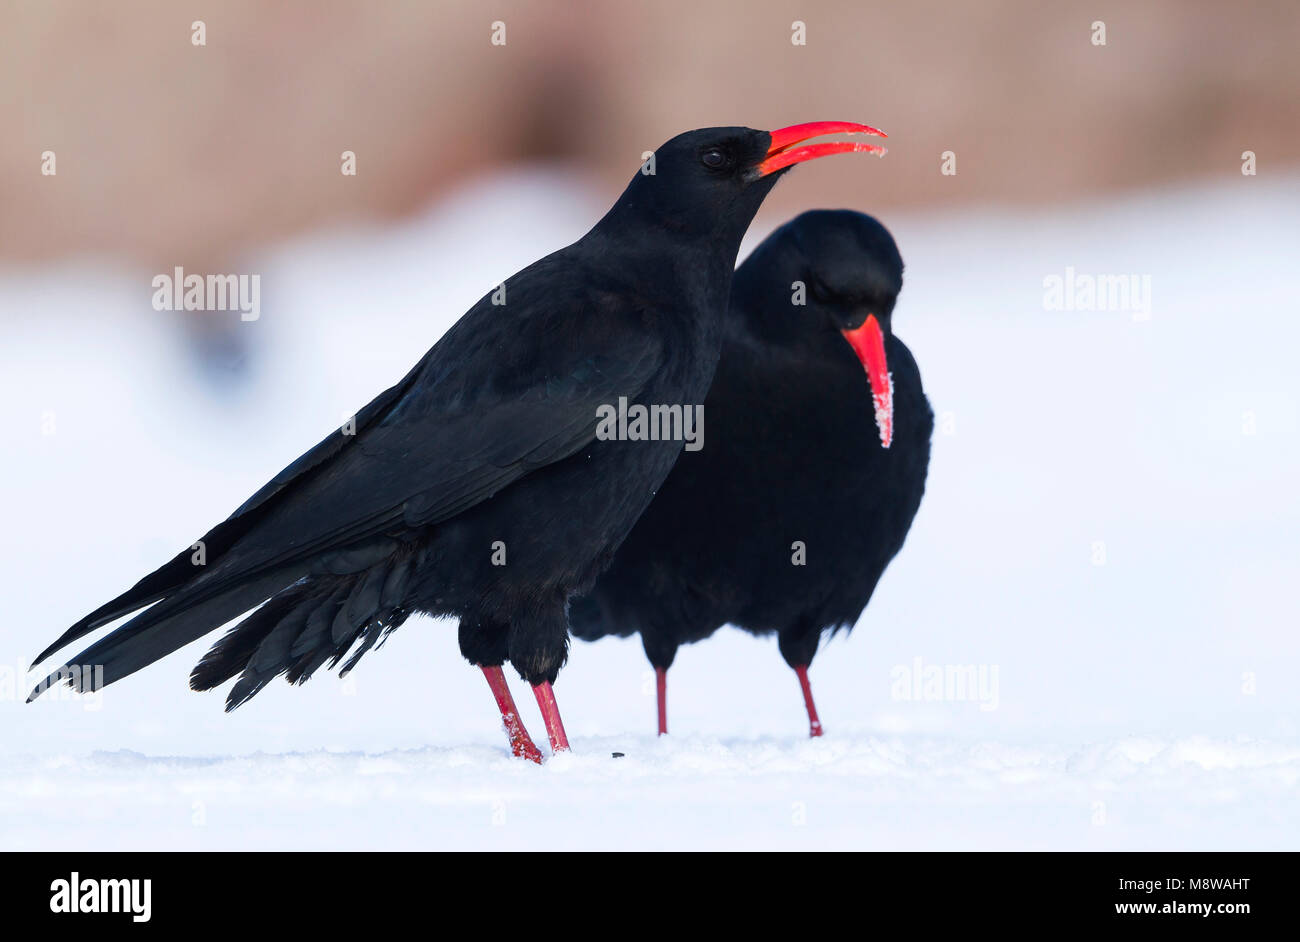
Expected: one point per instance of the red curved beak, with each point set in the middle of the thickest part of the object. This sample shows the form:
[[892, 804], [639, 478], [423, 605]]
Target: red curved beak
[[782, 152], [868, 342]]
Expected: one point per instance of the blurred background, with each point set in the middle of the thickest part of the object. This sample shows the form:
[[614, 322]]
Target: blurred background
[[171, 153], [1112, 508]]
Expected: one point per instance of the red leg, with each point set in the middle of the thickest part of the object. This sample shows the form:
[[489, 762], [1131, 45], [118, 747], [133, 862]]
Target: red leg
[[521, 744], [814, 724], [661, 689], [551, 716]]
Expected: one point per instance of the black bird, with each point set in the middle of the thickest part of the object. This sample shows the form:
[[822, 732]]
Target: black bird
[[811, 471], [476, 487]]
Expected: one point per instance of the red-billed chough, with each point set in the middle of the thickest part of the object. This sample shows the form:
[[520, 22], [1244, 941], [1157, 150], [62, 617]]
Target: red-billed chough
[[812, 468], [477, 487]]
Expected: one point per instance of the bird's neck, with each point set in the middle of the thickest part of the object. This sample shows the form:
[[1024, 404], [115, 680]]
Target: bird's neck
[[680, 274], [765, 309]]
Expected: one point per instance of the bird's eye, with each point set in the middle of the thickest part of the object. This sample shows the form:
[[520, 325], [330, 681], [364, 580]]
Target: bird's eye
[[713, 158]]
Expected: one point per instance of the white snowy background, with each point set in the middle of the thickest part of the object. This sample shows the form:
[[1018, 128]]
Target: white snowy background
[[1111, 524]]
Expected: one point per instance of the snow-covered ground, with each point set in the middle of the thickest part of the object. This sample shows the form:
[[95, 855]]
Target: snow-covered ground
[[1109, 543]]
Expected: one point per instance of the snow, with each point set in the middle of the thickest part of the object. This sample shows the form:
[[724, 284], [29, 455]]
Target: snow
[[844, 792], [1108, 543]]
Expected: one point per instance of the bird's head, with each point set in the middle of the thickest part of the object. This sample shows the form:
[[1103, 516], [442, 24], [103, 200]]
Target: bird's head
[[710, 182], [830, 270]]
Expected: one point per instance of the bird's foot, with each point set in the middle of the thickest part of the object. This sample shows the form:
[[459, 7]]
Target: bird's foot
[[814, 724], [551, 716], [521, 744], [661, 691]]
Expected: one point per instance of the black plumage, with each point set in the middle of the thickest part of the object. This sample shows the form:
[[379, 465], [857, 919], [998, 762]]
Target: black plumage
[[786, 518], [488, 442]]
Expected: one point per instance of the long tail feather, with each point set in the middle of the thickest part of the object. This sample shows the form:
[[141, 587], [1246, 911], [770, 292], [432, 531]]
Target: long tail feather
[[313, 622], [160, 630]]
